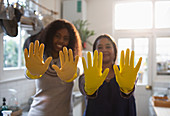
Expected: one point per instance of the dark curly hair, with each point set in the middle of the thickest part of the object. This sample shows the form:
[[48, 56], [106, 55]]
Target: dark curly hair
[[110, 39], [46, 36]]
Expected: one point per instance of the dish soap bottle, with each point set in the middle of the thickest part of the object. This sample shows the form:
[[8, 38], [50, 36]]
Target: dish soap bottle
[[4, 106]]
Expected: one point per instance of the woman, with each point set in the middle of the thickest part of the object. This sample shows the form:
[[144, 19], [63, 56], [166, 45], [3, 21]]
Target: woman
[[54, 77], [109, 93]]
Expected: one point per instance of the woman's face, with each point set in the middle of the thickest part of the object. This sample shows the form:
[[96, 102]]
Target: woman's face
[[61, 39], [105, 46]]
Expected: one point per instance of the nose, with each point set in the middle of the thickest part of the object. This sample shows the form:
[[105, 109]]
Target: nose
[[61, 40], [104, 49]]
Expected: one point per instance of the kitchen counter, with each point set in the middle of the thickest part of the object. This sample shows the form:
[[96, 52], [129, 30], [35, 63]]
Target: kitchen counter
[[160, 111]]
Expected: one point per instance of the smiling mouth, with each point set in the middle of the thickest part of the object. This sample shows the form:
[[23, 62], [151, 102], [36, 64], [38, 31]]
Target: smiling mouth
[[59, 46]]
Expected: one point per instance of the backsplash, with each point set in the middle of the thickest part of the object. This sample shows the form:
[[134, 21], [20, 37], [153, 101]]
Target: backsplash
[[25, 89]]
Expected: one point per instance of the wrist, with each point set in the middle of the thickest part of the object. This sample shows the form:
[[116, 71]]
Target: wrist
[[32, 76], [89, 91], [126, 91], [72, 79]]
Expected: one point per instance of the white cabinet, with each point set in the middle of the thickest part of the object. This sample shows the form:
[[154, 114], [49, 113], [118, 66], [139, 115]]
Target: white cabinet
[[73, 10]]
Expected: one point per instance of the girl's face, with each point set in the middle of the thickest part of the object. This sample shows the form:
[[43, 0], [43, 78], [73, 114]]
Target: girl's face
[[105, 46], [61, 39]]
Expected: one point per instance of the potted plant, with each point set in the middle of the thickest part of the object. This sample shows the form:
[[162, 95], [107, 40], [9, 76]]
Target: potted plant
[[85, 33]]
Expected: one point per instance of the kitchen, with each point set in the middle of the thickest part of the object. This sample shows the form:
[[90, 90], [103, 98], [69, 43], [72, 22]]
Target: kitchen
[[144, 27]]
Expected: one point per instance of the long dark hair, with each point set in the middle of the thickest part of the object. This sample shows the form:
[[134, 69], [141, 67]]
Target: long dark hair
[[49, 32], [110, 39]]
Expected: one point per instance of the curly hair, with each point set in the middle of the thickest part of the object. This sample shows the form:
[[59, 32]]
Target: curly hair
[[46, 36], [110, 39]]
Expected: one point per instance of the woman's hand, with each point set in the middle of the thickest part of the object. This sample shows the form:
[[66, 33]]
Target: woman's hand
[[126, 77], [93, 74], [34, 61], [68, 70]]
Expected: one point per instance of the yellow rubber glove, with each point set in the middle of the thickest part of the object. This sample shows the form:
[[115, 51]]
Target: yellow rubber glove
[[68, 70], [34, 62], [93, 74], [126, 77]]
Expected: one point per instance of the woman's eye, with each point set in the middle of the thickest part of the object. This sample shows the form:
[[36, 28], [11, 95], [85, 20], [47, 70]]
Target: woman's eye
[[100, 47], [108, 47]]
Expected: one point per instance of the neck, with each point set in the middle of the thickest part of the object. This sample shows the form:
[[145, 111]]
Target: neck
[[107, 65]]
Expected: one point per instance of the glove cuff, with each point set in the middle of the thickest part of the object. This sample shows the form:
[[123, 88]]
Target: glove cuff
[[32, 76], [126, 91], [89, 91]]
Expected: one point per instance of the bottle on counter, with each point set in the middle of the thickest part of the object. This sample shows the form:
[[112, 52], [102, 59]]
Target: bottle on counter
[[7, 112], [13, 101], [4, 106]]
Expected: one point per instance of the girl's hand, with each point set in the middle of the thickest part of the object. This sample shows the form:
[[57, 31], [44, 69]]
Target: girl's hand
[[68, 70], [34, 61]]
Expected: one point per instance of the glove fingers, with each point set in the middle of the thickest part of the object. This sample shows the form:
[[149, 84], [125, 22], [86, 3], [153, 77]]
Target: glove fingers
[[70, 55], [95, 59], [89, 60], [47, 62], [61, 55], [116, 70], [65, 54], [100, 60], [122, 60], [127, 57], [138, 64], [132, 59], [26, 54], [84, 64], [105, 73], [56, 68], [31, 49], [76, 60], [41, 50], [36, 47]]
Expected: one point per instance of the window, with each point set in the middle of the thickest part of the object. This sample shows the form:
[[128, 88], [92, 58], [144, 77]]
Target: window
[[163, 56], [13, 50], [12, 57], [162, 14], [144, 26], [136, 15], [140, 46], [123, 44]]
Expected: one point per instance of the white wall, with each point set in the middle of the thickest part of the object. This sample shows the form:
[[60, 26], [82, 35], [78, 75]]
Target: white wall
[[54, 5], [100, 17]]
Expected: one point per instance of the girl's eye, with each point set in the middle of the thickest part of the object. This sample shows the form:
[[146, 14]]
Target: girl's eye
[[57, 36], [66, 39]]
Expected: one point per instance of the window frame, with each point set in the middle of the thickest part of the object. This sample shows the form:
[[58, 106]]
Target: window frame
[[152, 34]]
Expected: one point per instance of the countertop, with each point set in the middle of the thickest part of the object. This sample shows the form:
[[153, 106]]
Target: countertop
[[161, 111]]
